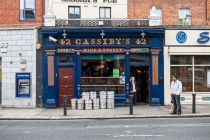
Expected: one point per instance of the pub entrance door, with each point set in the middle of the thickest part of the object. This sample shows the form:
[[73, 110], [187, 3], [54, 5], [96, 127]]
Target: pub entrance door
[[66, 85]]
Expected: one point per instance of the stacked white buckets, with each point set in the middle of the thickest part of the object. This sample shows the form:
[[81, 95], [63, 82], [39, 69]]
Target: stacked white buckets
[[89, 101]]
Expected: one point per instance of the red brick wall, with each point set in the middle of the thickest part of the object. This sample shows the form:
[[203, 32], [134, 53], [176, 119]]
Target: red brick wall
[[141, 9], [9, 13]]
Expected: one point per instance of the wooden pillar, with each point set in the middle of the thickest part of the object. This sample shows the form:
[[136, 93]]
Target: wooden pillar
[[155, 53]]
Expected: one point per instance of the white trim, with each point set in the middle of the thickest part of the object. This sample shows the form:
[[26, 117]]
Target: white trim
[[34, 69]]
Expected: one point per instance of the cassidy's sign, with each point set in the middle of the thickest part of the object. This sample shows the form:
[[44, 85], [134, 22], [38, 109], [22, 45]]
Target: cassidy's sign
[[104, 41], [95, 1]]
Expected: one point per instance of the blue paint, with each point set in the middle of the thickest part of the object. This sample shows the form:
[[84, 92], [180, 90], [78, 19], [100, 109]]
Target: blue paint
[[181, 37], [204, 37], [50, 93]]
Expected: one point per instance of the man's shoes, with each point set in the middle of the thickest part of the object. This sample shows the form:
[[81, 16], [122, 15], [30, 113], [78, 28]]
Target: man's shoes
[[178, 113], [173, 113]]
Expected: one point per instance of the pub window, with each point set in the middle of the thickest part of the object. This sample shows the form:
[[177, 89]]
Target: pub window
[[105, 12], [74, 12], [182, 16], [66, 59], [27, 9]]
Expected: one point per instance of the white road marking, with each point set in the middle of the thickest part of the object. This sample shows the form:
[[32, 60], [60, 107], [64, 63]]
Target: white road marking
[[140, 136], [128, 131]]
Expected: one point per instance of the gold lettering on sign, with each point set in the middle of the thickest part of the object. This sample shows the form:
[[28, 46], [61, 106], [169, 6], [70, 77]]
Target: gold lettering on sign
[[127, 41], [118, 41], [105, 43], [111, 41], [93, 41], [68, 42], [86, 42], [78, 41], [99, 41], [62, 42]]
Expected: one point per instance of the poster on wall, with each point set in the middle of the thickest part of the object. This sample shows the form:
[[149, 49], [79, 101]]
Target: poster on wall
[[116, 73], [208, 78], [122, 79]]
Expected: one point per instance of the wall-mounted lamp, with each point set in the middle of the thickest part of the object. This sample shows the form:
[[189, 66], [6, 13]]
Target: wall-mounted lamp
[[102, 34], [187, 16], [64, 34], [142, 34], [38, 46]]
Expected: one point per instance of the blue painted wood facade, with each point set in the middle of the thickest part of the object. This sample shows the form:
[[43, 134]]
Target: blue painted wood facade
[[51, 93]]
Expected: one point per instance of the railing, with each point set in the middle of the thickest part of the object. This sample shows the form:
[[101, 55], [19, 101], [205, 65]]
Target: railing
[[102, 22]]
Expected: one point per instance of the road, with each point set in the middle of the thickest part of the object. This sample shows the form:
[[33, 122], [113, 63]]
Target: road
[[124, 129]]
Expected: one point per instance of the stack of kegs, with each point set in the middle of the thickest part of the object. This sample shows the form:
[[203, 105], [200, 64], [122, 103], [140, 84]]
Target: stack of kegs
[[110, 99], [80, 104], [95, 103], [74, 103], [102, 95], [92, 95]]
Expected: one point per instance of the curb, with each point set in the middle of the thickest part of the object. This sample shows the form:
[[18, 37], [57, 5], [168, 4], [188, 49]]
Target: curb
[[103, 117]]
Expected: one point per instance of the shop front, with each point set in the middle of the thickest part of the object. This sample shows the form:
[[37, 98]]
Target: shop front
[[84, 60], [187, 54]]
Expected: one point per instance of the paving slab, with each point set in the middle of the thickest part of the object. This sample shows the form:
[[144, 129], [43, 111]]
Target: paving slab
[[41, 117], [55, 117]]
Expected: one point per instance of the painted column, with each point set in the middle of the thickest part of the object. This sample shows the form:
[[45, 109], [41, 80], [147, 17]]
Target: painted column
[[127, 73], [154, 94], [78, 71], [50, 78]]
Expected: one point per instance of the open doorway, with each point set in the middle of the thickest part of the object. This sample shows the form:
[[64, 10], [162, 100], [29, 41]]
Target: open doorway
[[141, 74]]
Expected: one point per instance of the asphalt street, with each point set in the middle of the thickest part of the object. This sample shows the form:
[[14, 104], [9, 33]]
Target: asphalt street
[[123, 129]]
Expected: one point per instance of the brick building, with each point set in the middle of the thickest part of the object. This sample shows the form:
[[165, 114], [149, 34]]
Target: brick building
[[21, 12], [172, 11]]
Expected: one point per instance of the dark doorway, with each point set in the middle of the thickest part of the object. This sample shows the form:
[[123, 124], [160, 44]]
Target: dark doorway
[[66, 85], [141, 74]]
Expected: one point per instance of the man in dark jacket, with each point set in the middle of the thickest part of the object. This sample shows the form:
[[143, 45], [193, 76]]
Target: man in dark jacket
[[133, 90]]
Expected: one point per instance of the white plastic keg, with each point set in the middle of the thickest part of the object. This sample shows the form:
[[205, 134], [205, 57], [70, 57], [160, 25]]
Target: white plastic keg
[[102, 103], [74, 103], [110, 94], [110, 103], [102, 94], [80, 104], [95, 103], [88, 104], [92, 95], [85, 95]]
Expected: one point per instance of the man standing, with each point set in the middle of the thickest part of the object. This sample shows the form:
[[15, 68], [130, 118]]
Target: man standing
[[176, 89], [133, 89]]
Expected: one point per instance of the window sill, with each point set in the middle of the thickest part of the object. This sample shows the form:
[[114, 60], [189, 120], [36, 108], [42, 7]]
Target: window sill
[[28, 20]]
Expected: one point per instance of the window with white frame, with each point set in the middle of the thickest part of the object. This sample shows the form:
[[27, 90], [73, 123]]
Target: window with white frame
[[158, 12], [183, 20], [74, 12], [193, 72], [27, 9], [105, 12]]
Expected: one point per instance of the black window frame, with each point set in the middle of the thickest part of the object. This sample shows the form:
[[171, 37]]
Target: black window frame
[[104, 12], [25, 9], [74, 11]]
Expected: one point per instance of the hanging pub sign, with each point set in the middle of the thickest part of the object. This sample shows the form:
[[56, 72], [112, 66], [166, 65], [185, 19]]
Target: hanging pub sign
[[104, 41]]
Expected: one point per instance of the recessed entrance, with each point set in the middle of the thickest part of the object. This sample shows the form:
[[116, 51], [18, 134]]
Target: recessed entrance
[[141, 74], [66, 85]]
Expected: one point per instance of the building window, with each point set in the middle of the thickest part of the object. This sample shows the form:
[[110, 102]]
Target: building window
[[102, 73], [105, 12], [74, 12], [192, 72], [27, 9], [65, 59], [182, 16], [158, 12]]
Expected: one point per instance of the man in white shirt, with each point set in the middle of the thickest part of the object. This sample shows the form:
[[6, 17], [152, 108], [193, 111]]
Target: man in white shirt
[[176, 89], [133, 90]]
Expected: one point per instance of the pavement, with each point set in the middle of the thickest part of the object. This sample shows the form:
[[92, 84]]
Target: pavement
[[140, 111]]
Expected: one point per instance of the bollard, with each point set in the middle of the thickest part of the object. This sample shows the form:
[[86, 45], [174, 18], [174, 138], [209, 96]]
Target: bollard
[[193, 103], [131, 104], [65, 105]]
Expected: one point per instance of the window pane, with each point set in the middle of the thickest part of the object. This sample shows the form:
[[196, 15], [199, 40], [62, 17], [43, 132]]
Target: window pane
[[97, 73], [71, 12], [185, 76], [30, 4], [21, 9], [200, 78], [158, 11], [102, 13], [66, 59], [202, 59], [139, 58], [181, 60], [29, 14], [77, 12], [74, 12], [107, 13]]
